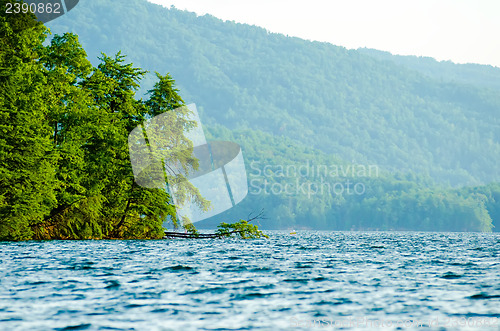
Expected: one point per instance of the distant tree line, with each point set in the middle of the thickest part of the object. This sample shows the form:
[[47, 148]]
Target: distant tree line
[[387, 201]]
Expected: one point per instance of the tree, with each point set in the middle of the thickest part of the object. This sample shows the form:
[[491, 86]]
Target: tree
[[64, 155], [27, 159]]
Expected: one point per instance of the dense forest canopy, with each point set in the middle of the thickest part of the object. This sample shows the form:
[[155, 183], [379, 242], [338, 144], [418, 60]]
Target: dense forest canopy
[[355, 105], [431, 128], [65, 170], [333, 139], [468, 74], [300, 194]]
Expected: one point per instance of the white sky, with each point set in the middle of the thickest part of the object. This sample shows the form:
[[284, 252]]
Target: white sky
[[458, 30]]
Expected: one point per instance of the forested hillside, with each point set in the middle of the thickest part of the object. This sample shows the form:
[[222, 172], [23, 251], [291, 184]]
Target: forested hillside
[[333, 139], [468, 74], [357, 106], [300, 187], [426, 126], [65, 168]]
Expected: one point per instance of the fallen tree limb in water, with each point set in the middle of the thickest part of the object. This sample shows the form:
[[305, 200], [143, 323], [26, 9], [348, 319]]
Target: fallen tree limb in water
[[170, 235], [242, 229]]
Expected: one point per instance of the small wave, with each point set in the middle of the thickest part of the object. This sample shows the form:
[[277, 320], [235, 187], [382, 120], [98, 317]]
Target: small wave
[[261, 269], [254, 295], [297, 280], [134, 305], [258, 288], [301, 265], [451, 275], [335, 302], [36, 283], [483, 295], [308, 248], [12, 319], [234, 268], [112, 284], [85, 326], [467, 264], [178, 267], [81, 266], [160, 310], [211, 290]]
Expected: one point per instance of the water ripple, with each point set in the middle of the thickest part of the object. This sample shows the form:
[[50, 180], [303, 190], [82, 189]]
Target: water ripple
[[259, 284]]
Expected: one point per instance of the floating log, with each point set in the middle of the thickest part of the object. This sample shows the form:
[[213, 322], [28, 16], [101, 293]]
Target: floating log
[[197, 236]]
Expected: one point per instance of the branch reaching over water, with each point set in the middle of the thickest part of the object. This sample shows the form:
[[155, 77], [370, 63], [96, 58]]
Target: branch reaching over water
[[242, 229]]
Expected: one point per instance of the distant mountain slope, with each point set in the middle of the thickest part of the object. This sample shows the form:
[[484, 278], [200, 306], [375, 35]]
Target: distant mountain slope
[[344, 102], [469, 74], [299, 187]]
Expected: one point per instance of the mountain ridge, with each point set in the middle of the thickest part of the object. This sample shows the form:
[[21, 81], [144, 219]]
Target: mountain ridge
[[368, 110], [484, 75], [347, 106]]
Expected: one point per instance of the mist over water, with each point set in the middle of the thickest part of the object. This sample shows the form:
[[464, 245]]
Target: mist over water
[[287, 282]]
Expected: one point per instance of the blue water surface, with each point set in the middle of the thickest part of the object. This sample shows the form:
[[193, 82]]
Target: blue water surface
[[312, 280]]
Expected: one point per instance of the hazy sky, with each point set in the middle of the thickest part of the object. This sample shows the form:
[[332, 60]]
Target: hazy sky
[[458, 30]]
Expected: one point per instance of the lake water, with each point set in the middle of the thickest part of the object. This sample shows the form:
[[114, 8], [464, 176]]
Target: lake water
[[314, 280]]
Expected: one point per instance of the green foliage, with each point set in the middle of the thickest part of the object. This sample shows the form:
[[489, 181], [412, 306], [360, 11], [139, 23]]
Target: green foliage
[[389, 202], [469, 74], [438, 119], [27, 161], [288, 101], [65, 169], [242, 229], [191, 229], [64, 164]]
